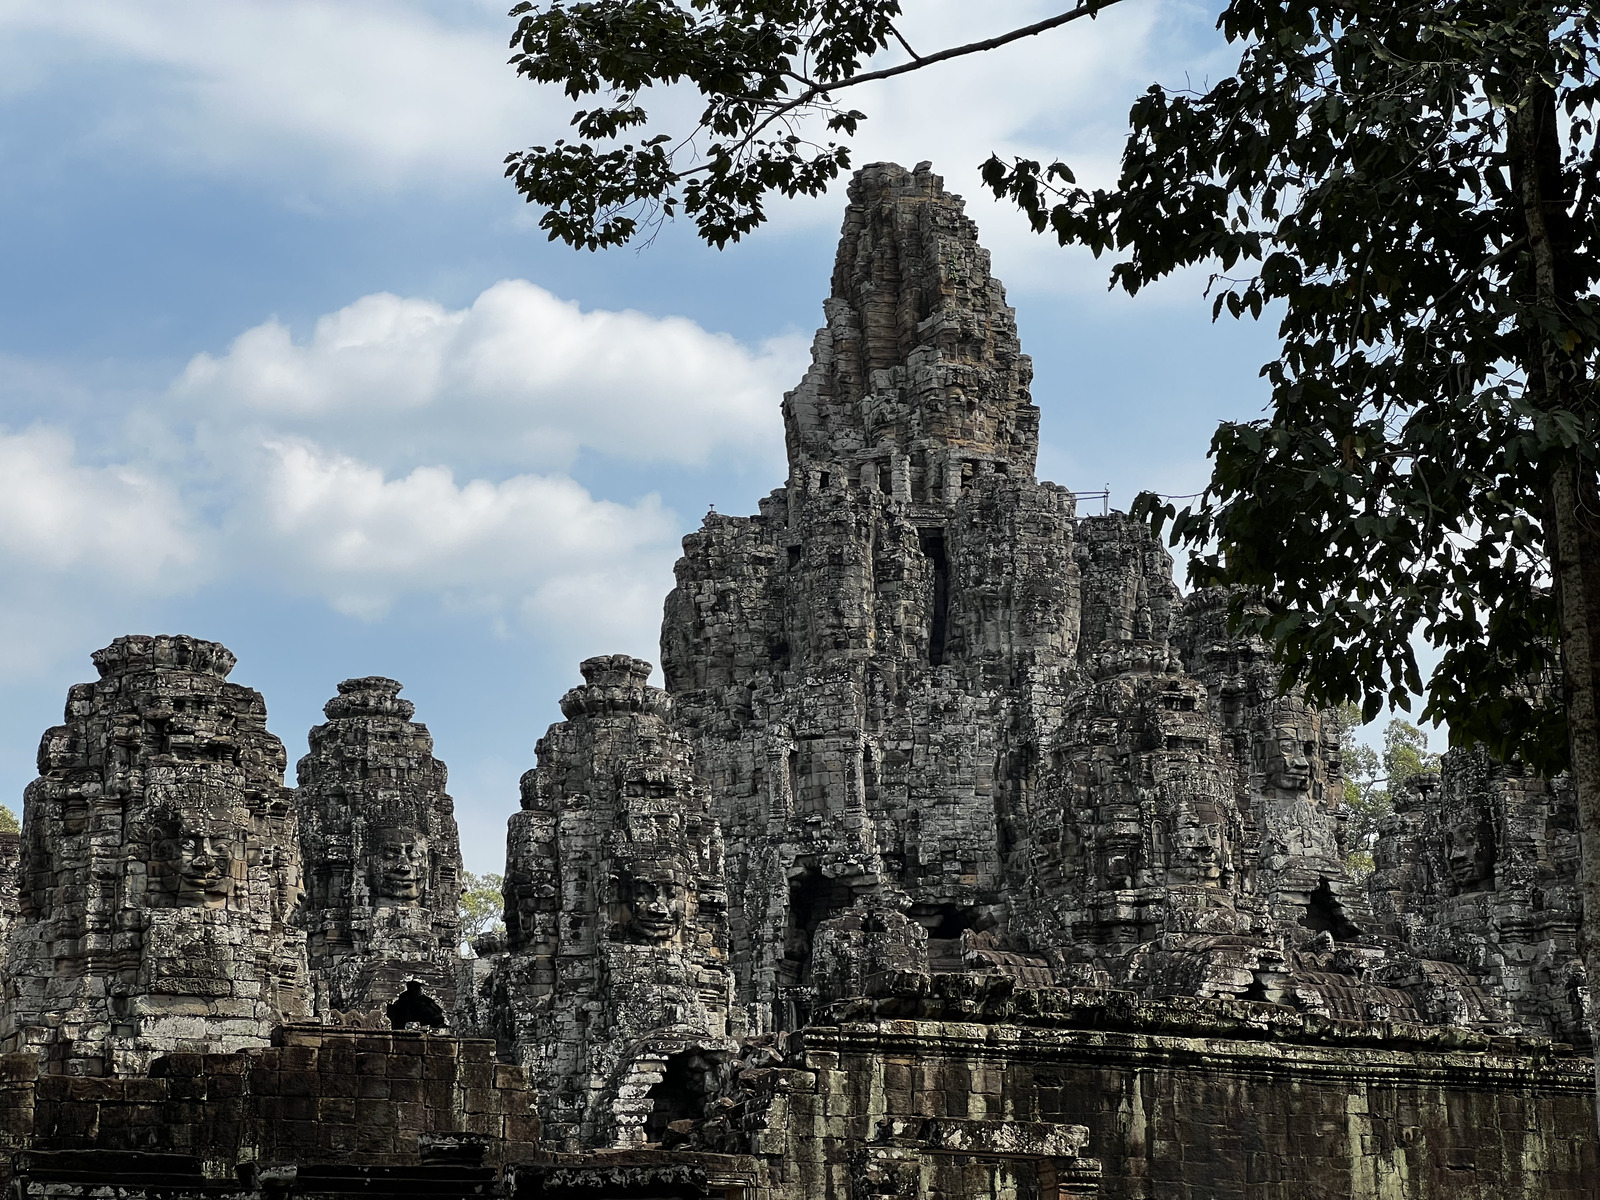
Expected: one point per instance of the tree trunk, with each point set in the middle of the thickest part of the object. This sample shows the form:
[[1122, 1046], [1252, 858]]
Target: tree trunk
[[1576, 554], [1572, 519]]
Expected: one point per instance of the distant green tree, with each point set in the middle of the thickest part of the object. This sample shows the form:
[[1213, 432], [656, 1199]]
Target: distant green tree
[[1370, 779], [482, 908], [1405, 753], [8, 821], [1366, 801]]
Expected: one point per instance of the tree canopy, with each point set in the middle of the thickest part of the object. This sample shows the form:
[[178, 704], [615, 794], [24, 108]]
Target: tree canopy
[[1365, 174], [768, 72], [1408, 187]]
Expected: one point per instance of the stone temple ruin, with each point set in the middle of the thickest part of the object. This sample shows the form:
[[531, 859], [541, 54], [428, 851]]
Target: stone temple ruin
[[961, 855]]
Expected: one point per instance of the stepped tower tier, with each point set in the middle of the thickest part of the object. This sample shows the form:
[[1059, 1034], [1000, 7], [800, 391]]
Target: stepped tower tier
[[867, 666], [383, 860], [614, 990], [159, 869], [918, 381]]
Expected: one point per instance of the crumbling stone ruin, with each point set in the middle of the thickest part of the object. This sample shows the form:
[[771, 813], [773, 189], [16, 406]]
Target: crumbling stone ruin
[[615, 981], [382, 860], [1478, 869], [159, 870], [961, 855]]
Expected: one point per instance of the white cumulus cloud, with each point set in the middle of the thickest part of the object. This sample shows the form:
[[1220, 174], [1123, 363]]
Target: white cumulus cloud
[[338, 527], [401, 452], [521, 378], [60, 515], [356, 93], [79, 542]]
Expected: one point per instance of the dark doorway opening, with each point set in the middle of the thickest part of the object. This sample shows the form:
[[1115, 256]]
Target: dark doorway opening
[[415, 1007], [1324, 914], [813, 898], [678, 1097]]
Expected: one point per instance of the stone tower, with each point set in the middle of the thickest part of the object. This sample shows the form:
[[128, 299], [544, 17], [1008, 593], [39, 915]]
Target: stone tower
[[1478, 869], [855, 664], [383, 860], [919, 687], [159, 869], [1286, 766], [614, 989]]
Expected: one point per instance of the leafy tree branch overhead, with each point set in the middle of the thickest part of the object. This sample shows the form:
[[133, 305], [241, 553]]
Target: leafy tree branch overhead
[[1367, 169], [766, 70]]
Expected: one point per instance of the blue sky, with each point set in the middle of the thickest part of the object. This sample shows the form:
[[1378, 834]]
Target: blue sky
[[284, 361]]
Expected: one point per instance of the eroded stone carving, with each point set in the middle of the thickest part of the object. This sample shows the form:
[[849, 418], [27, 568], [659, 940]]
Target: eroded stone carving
[[615, 976], [1477, 868], [383, 860], [855, 665], [160, 869]]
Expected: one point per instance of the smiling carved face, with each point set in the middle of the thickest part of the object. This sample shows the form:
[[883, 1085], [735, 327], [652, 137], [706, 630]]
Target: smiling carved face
[[196, 856], [204, 870], [658, 904], [1199, 852], [1470, 853], [400, 866], [1289, 759]]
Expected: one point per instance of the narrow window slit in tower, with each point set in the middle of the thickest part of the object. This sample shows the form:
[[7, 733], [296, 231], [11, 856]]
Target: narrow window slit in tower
[[933, 546]]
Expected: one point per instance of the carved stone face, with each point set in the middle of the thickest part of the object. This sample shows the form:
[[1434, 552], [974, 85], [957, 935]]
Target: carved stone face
[[400, 866], [523, 889], [657, 904], [196, 857], [1199, 853], [1469, 854], [1120, 858], [1289, 758]]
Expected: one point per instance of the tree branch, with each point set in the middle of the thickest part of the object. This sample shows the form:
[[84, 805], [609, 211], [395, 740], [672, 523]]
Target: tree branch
[[1088, 8], [899, 37]]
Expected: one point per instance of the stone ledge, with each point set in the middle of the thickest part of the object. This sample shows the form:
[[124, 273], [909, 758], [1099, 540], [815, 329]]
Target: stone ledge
[[994, 999]]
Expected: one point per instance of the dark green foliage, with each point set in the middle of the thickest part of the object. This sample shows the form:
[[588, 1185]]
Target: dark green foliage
[[1359, 177], [482, 906], [748, 60], [764, 69]]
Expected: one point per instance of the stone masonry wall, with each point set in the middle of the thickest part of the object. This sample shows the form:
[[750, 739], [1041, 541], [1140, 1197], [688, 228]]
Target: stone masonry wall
[[358, 1097], [1176, 1101]]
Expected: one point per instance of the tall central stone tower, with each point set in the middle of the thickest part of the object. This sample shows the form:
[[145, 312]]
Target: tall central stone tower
[[923, 693], [858, 664]]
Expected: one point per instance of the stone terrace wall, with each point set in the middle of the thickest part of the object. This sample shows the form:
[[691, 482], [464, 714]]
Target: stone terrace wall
[[355, 1097], [1182, 1100]]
